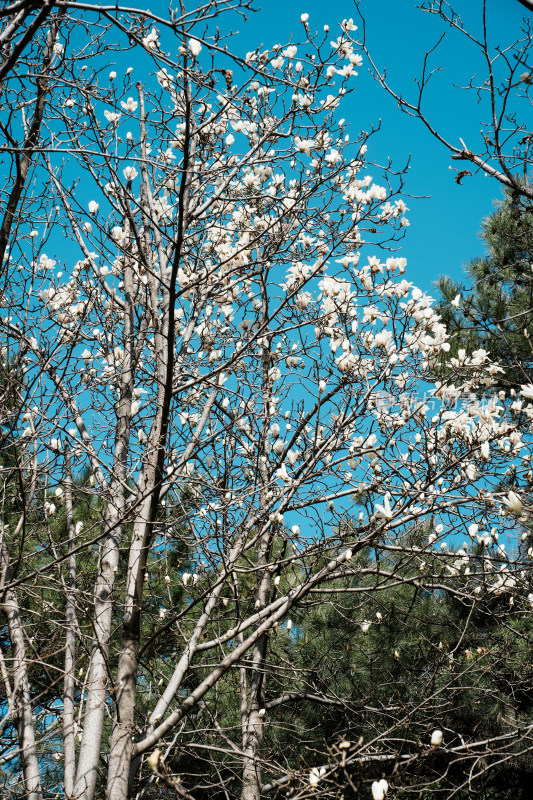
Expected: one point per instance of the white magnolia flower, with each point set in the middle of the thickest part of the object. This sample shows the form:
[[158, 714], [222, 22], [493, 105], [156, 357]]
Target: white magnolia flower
[[154, 759], [383, 511], [304, 18], [164, 78], [282, 474], [365, 626], [278, 446], [186, 578], [436, 738], [195, 47], [130, 173], [93, 207], [348, 25], [315, 775], [304, 145], [130, 105], [379, 789], [151, 42], [527, 391], [111, 116], [513, 502]]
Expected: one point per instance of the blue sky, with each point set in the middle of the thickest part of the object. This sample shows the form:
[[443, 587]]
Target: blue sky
[[444, 230]]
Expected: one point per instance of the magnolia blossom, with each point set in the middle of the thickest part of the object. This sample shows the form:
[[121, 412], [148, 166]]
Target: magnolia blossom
[[315, 775], [130, 173], [282, 474], [348, 25], [154, 759], [130, 105], [513, 502], [111, 116], [384, 511], [304, 145], [93, 207], [195, 47], [151, 42], [379, 789], [527, 391], [436, 738]]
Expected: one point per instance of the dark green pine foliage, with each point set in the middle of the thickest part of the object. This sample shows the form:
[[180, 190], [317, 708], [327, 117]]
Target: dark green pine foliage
[[428, 660], [496, 308]]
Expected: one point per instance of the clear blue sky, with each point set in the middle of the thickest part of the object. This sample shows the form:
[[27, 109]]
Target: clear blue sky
[[444, 230]]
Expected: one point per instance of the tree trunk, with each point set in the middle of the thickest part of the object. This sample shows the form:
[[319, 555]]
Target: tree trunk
[[69, 747], [21, 699]]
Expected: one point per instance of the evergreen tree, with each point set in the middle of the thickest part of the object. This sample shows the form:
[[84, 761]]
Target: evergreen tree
[[493, 307]]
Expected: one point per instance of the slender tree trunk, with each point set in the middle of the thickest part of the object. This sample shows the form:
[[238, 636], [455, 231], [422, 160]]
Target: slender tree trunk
[[21, 697], [69, 748], [120, 771], [123, 724], [97, 680], [253, 734], [251, 778]]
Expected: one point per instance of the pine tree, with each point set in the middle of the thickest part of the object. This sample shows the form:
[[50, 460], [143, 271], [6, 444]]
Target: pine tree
[[493, 307]]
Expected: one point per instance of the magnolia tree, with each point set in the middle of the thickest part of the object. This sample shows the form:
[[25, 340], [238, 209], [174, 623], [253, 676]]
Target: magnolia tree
[[215, 422]]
